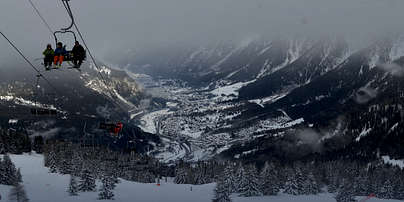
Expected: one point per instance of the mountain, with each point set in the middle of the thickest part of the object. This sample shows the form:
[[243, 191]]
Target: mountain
[[283, 98], [82, 98], [319, 58], [355, 108]]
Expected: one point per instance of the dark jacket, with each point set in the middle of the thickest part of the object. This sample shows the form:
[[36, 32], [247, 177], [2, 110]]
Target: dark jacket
[[60, 51], [78, 52]]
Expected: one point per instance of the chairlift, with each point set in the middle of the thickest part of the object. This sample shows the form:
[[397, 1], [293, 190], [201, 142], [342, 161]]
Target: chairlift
[[113, 128]]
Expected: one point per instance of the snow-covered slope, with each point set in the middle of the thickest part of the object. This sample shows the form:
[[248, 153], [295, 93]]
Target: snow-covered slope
[[42, 186]]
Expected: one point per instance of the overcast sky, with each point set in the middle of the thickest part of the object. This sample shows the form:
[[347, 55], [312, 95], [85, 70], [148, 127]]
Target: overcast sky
[[148, 24]]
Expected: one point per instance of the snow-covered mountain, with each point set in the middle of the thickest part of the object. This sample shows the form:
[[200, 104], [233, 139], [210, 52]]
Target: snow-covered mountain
[[261, 96], [83, 99]]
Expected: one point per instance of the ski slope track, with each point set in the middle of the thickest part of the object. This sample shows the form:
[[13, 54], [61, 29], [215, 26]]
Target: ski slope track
[[42, 186]]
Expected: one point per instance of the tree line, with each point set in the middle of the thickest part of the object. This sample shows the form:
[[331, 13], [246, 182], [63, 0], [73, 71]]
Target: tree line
[[10, 175], [345, 179]]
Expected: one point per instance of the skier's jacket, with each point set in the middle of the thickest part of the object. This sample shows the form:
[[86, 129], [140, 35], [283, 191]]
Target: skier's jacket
[[48, 52], [60, 51], [79, 52]]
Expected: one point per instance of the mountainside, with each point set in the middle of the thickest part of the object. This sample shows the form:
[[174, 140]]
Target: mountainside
[[321, 57], [285, 99], [83, 99]]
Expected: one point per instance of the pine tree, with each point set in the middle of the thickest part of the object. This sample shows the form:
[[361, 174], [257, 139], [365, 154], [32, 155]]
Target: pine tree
[[19, 176], [310, 185], [2, 172], [361, 184], [73, 186], [51, 162], [399, 186], [250, 186], [386, 191], [87, 181], [108, 185], [345, 192], [222, 193], [239, 179], [229, 178], [180, 176], [270, 184], [9, 171], [17, 194], [295, 183]]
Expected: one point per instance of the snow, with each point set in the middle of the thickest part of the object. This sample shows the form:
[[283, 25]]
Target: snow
[[42, 186], [265, 49], [189, 132], [388, 160], [363, 134], [270, 99], [24, 102], [230, 89], [12, 121], [397, 50], [374, 61], [171, 104], [243, 44], [133, 115], [149, 120]]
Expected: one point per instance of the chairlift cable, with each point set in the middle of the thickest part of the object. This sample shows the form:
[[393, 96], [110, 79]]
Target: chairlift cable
[[29, 62], [113, 96], [42, 18]]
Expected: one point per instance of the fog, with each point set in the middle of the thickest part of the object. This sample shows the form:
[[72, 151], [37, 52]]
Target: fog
[[119, 26]]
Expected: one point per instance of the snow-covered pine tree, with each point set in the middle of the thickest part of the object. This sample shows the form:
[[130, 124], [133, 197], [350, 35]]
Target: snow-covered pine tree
[[361, 183], [269, 180], [239, 178], [51, 161], [222, 193], [345, 192], [386, 191], [18, 175], [250, 186], [108, 185], [333, 177], [2, 172], [73, 186], [9, 170], [180, 176], [399, 186], [17, 194], [310, 185], [229, 178], [87, 181], [200, 175], [295, 182]]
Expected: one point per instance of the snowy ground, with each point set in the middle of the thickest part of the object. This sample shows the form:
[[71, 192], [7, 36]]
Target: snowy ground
[[42, 186], [148, 121]]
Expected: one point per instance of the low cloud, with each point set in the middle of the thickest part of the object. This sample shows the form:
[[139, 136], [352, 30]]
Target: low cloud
[[365, 94], [311, 138], [393, 68]]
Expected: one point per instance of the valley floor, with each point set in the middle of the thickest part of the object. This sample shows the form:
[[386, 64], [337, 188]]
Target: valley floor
[[42, 186]]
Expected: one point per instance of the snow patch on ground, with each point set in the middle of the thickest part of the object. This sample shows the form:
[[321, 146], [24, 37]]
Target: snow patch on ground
[[229, 89], [24, 102], [149, 122], [388, 160], [270, 99], [42, 186], [363, 134]]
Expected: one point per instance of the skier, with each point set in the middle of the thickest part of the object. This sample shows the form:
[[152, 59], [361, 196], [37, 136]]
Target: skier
[[48, 53], [60, 53], [79, 54]]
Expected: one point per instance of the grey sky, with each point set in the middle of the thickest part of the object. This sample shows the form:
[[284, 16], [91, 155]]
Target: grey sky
[[120, 25]]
